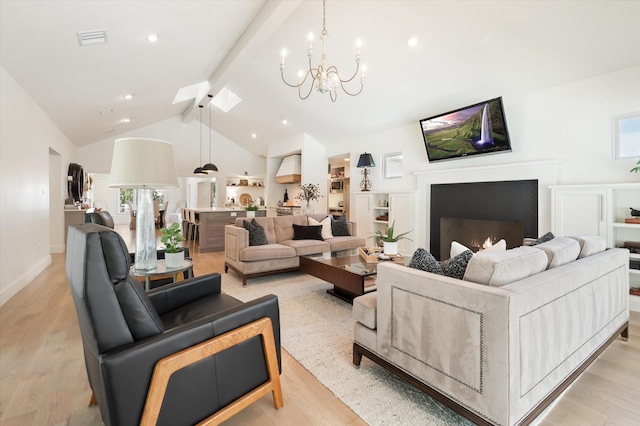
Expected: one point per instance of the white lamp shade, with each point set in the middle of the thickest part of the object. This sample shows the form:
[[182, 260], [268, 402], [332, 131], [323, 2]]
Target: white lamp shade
[[139, 163]]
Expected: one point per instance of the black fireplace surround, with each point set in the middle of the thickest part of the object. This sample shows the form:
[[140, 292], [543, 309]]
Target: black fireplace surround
[[513, 201]]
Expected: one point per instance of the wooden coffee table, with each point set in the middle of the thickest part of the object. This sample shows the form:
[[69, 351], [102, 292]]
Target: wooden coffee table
[[350, 276]]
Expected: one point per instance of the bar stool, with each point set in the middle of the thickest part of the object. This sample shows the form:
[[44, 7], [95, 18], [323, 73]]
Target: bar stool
[[186, 225], [195, 224]]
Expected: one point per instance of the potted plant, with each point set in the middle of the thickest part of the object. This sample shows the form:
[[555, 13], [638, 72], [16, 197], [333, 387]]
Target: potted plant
[[251, 210], [390, 240], [171, 238]]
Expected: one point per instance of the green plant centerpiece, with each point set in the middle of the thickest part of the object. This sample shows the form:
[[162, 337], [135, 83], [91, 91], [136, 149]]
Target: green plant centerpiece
[[390, 239], [251, 208], [636, 169], [171, 238]]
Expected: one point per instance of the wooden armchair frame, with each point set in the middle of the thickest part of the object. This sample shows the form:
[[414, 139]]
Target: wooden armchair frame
[[172, 363]]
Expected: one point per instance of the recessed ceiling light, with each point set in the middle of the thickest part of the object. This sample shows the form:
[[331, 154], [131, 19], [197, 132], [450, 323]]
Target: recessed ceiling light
[[284, 121], [128, 96], [413, 41], [125, 120], [347, 159], [152, 38], [253, 135]]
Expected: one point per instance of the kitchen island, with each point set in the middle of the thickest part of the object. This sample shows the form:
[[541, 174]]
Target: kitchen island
[[212, 222]]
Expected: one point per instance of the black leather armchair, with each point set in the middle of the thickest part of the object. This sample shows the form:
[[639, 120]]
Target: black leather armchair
[[225, 353]]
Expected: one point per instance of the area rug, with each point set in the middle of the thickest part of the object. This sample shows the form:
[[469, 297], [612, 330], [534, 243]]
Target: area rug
[[317, 330]]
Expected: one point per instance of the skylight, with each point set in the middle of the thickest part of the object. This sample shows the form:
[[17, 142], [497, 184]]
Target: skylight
[[225, 100]]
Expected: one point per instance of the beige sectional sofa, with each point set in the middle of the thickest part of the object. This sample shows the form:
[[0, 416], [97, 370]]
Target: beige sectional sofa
[[501, 351], [282, 253]]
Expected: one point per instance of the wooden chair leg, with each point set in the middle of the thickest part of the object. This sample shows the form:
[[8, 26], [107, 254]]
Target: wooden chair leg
[[172, 363], [93, 400]]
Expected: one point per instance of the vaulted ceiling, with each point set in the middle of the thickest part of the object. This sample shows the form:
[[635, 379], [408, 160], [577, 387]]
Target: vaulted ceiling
[[467, 51]]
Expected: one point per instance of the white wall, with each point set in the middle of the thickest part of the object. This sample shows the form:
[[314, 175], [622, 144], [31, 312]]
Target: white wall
[[572, 123], [26, 136]]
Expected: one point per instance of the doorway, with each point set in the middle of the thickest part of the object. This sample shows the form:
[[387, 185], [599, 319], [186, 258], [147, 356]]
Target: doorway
[[338, 186]]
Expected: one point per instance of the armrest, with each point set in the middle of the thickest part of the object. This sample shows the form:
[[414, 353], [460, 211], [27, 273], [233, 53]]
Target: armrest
[[353, 229], [129, 368], [235, 239], [172, 296]]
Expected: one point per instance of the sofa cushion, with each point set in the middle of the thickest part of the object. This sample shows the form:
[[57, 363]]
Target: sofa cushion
[[456, 266], [326, 226], [364, 309], [257, 237], [504, 267], [284, 226], [306, 247], [560, 251], [307, 232], [346, 243], [339, 227], [590, 244], [424, 261], [138, 311], [266, 252]]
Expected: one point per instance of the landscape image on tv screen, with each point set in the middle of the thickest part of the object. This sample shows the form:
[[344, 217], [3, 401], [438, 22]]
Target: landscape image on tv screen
[[476, 129]]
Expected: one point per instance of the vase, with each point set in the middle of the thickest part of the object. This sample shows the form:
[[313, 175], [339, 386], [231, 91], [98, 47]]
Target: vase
[[390, 248], [307, 208], [174, 260]]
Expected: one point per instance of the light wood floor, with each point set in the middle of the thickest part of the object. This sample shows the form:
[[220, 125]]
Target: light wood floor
[[43, 380]]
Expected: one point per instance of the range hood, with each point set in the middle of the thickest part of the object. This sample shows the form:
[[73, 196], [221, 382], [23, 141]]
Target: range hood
[[290, 170]]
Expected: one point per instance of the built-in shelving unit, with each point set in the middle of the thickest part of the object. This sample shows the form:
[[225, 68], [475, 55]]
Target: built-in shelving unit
[[600, 210], [376, 211]]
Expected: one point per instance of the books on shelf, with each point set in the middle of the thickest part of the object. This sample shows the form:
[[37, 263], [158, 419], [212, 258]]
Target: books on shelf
[[632, 220]]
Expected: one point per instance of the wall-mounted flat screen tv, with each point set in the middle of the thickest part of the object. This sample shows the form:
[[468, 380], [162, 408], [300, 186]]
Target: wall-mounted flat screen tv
[[473, 130]]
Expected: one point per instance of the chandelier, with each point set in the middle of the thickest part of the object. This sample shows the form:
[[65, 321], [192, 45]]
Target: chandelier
[[323, 78]]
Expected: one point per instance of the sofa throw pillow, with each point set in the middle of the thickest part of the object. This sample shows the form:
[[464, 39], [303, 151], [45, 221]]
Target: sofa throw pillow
[[543, 239], [257, 236], [424, 261], [339, 227], [307, 232], [456, 249], [499, 246], [326, 226], [456, 266]]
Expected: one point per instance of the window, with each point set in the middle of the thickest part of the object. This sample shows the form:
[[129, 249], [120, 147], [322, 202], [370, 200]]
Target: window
[[125, 197]]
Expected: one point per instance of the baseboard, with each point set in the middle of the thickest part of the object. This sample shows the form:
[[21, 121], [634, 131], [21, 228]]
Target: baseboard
[[57, 249], [13, 288]]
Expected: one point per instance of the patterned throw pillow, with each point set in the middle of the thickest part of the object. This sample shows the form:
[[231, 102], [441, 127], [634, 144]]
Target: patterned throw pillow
[[546, 237], [257, 237], [424, 261], [339, 227], [456, 266]]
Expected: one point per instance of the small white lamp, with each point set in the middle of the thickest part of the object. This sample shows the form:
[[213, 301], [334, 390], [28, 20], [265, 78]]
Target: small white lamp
[[145, 165]]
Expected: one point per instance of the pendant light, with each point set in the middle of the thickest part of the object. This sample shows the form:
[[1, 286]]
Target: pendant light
[[210, 167], [198, 170]]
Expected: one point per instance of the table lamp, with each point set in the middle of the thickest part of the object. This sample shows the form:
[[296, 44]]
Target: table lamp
[[145, 165], [365, 160]]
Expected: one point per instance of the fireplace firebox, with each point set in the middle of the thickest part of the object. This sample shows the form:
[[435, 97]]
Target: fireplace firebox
[[479, 234]]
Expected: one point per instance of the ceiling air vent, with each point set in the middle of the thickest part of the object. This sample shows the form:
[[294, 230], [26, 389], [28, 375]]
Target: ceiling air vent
[[88, 38]]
